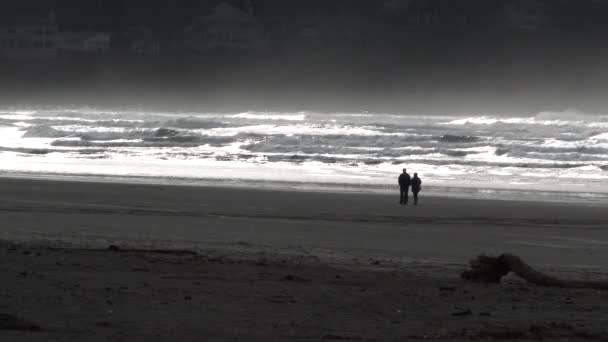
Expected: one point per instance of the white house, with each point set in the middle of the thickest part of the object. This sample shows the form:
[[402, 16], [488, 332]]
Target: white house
[[84, 42], [526, 14], [31, 39], [226, 27], [144, 42]]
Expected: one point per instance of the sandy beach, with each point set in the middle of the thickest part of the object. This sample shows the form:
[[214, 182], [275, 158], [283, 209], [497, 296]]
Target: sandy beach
[[213, 263]]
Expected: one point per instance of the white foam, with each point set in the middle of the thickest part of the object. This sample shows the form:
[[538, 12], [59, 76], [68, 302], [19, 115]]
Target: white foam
[[270, 116], [298, 129], [547, 151]]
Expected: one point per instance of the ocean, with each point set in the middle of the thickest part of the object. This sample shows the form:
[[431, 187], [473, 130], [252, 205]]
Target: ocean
[[548, 155]]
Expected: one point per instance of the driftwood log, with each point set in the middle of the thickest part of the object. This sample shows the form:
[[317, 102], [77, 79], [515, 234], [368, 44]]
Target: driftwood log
[[491, 269]]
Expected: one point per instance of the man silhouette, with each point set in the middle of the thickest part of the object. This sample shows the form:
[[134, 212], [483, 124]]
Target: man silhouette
[[404, 184], [416, 186]]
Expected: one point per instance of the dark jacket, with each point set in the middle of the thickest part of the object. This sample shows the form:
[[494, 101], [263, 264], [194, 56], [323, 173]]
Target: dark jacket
[[416, 184], [404, 180]]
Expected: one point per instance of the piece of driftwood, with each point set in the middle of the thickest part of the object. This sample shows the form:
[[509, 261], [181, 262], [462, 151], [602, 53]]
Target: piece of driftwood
[[491, 269], [12, 322]]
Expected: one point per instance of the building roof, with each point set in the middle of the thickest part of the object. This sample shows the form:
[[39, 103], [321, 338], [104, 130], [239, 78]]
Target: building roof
[[225, 12], [28, 20]]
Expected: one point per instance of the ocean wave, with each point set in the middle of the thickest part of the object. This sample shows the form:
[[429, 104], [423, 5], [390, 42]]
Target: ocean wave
[[18, 112], [8, 122], [184, 141], [90, 123], [270, 116], [101, 133], [457, 138], [184, 123], [188, 123], [44, 151], [35, 151], [304, 129], [284, 142], [549, 149], [439, 160], [547, 118], [571, 115], [45, 132], [546, 147], [599, 137]]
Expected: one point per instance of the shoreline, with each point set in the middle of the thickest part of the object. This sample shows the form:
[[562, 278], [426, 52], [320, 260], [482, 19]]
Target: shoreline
[[334, 225], [475, 193]]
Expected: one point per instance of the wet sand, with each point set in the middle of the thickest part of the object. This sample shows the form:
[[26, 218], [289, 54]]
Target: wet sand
[[277, 265]]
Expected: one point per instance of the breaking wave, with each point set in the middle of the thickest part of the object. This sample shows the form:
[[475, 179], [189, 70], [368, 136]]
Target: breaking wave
[[548, 147], [275, 116]]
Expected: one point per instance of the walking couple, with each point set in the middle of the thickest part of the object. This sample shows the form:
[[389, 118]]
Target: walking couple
[[405, 181]]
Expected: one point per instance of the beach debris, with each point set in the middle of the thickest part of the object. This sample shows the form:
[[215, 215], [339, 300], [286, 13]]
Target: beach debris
[[431, 336], [448, 288], [261, 262], [113, 248], [12, 322], [491, 269], [174, 252], [102, 323], [291, 277], [330, 336], [462, 312], [283, 298]]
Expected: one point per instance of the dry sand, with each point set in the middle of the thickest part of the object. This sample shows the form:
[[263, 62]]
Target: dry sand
[[277, 265]]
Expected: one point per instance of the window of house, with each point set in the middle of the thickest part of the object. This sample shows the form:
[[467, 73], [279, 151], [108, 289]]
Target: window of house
[[21, 43], [38, 44], [38, 31]]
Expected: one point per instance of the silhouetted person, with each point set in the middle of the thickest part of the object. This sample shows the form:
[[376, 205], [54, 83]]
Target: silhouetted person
[[416, 186], [404, 184]]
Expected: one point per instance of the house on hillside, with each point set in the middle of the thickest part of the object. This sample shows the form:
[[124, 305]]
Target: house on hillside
[[226, 27], [144, 42], [88, 42], [351, 28], [526, 14], [425, 14], [29, 38]]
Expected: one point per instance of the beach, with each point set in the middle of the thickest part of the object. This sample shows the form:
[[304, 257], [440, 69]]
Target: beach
[[139, 262]]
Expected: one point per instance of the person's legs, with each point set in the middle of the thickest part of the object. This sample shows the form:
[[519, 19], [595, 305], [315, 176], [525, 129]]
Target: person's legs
[[401, 196], [405, 195], [415, 198]]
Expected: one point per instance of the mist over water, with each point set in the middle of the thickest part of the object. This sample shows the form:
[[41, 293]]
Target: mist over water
[[549, 151]]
